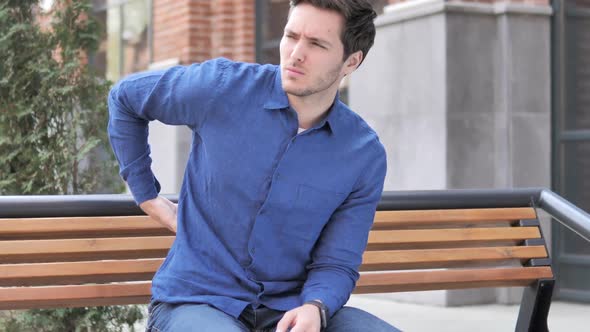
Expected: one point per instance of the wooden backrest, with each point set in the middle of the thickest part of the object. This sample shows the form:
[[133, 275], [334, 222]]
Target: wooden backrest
[[85, 261], [79, 261], [450, 249]]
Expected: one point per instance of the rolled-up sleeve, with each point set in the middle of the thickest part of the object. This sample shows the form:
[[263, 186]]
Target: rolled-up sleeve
[[181, 95], [333, 273]]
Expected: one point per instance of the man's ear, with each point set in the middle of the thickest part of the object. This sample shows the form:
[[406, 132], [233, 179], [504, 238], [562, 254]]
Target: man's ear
[[353, 61]]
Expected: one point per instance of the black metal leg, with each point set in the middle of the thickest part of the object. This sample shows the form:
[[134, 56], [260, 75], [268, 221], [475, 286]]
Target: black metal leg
[[534, 307]]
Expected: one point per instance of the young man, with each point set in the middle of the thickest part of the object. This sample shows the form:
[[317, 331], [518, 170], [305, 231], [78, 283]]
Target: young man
[[280, 188]]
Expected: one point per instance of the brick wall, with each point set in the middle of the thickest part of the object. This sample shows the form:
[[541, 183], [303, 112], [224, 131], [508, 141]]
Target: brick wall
[[196, 30]]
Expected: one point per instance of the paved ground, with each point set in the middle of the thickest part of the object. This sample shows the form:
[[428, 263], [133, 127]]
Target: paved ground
[[563, 316]]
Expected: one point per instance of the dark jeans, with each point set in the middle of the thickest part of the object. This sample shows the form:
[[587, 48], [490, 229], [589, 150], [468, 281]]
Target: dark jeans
[[164, 317]]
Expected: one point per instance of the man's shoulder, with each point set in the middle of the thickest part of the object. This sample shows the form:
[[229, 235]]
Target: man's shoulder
[[242, 76], [356, 127], [240, 68]]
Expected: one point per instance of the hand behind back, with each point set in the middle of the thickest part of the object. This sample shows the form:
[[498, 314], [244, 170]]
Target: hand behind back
[[161, 210]]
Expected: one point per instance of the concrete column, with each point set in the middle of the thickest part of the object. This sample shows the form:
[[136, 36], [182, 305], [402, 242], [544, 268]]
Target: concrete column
[[459, 93]]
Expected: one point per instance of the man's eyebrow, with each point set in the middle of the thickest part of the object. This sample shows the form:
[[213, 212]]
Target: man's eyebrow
[[291, 32], [313, 39], [320, 41]]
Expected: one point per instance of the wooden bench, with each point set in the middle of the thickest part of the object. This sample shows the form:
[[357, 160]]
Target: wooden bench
[[68, 258]]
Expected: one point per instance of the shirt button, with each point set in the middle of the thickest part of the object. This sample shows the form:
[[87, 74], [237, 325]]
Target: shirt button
[[252, 250]]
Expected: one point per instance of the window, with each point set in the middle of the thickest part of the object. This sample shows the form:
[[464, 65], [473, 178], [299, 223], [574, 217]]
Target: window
[[271, 16], [127, 44]]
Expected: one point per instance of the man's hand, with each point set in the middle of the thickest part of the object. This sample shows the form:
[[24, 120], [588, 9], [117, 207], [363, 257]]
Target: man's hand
[[301, 319], [161, 210]]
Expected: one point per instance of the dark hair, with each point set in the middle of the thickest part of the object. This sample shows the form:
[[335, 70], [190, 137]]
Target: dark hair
[[359, 30]]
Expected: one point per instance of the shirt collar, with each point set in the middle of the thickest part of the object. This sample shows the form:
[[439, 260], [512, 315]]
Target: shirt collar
[[331, 121], [278, 100]]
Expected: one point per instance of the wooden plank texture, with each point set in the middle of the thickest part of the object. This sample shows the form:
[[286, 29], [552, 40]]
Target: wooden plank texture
[[74, 295], [126, 293], [87, 261], [428, 258], [101, 248], [392, 219], [78, 272], [455, 235], [31, 228], [449, 279]]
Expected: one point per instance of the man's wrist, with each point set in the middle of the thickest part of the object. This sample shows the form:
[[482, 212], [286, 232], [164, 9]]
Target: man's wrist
[[324, 314]]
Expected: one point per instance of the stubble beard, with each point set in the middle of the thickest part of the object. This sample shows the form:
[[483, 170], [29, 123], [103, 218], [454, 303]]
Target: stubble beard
[[321, 84]]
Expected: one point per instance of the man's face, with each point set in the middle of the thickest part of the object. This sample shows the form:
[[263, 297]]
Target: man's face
[[311, 51]]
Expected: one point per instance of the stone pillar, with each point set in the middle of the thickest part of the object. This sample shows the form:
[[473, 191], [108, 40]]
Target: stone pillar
[[459, 93]]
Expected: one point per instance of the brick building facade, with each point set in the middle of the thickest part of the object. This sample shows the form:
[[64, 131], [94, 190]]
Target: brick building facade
[[194, 31]]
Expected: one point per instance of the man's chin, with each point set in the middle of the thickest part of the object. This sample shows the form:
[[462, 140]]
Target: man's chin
[[296, 92]]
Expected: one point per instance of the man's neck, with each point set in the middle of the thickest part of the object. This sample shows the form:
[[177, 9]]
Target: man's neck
[[311, 109]]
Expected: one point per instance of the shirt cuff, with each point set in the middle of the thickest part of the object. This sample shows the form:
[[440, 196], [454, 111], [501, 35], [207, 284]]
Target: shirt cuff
[[143, 186], [332, 301]]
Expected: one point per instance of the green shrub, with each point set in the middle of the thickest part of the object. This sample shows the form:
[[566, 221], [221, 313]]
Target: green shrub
[[53, 118], [95, 319], [53, 111]]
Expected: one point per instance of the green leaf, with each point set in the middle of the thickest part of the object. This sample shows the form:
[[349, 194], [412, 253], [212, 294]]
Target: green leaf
[[53, 117]]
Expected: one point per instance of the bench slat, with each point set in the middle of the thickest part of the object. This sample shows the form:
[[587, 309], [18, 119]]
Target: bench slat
[[456, 235], [102, 248], [74, 295], [450, 279], [32, 228], [78, 272], [130, 293], [429, 258], [392, 219]]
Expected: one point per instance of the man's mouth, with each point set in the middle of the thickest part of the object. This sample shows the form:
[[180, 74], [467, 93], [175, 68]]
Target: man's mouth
[[294, 71]]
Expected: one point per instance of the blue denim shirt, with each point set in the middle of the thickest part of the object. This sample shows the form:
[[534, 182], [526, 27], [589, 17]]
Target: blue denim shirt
[[265, 216]]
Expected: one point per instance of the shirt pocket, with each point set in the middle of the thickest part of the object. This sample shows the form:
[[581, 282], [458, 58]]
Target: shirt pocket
[[313, 208], [313, 199], [301, 210]]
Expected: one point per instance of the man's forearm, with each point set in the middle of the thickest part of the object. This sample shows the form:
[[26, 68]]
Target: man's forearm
[[128, 136], [161, 210]]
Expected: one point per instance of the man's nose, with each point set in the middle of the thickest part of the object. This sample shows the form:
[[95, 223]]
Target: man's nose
[[298, 52]]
